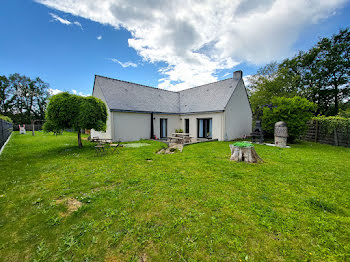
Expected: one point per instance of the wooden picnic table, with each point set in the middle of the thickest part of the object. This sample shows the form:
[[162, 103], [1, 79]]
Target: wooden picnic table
[[180, 137], [101, 140], [180, 134]]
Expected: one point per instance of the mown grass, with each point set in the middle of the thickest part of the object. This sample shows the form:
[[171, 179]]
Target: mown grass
[[189, 206]]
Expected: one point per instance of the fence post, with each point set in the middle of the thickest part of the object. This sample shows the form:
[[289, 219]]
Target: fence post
[[2, 132], [335, 137], [316, 131]]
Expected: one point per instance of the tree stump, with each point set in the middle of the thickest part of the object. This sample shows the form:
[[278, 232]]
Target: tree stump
[[246, 154]]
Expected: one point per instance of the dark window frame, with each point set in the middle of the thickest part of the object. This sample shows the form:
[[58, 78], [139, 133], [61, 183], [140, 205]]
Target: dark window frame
[[161, 127], [187, 125], [205, 126]]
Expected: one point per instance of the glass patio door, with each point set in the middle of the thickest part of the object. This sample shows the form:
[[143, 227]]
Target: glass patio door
[[163, 127], [205, 128]]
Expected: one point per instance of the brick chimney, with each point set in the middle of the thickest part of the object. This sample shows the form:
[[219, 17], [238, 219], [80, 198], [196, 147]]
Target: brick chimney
[[238, 75]]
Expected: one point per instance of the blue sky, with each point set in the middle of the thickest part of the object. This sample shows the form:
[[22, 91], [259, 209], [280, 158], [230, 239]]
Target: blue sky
[[161, 45]]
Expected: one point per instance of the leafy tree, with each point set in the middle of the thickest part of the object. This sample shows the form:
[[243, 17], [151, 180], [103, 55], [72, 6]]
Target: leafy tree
[[72, 111], [294, 111], [322, 75], [50, 126], [323, 72], [5, 104], [22, 98], [344, 113], [270, 81], [333, 64]]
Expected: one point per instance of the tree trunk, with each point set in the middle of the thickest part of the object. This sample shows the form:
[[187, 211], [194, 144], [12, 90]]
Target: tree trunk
[[336, 100], [80, 144], [246, 154], [33, 132]]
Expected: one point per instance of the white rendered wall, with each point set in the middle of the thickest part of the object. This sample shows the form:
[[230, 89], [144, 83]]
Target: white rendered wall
[[173, 123], [238, 114], [131, 126], [217, 124], [108, 134]]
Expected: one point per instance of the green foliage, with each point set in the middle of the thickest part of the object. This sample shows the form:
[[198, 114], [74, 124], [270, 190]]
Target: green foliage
[[23, 99], [93, 114], [72, 111], [6, 118], [270, 81], [294, 111], [332, 123], [50, 126], [179, 130], [63, 111], [192, 206], [243, 144], [322, 75], [344, 113]]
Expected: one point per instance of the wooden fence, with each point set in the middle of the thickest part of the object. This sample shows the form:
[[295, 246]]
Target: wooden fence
[[5, 131], [317, 133], [29, 127]]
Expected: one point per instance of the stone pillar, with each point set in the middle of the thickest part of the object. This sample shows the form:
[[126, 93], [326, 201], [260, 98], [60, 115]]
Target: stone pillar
[[281, 134]]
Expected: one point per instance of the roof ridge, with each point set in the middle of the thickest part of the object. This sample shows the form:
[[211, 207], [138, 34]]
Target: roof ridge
[[160, 88], [205, 84], [136, 84]]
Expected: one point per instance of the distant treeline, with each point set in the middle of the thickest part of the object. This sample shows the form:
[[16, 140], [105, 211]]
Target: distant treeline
[[321, 75], [23, 99]]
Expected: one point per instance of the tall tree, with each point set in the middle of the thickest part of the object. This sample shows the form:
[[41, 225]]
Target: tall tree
[[270, 81], [72, 111], [322, 75], [22, 98], [333, 64], [5, 103]]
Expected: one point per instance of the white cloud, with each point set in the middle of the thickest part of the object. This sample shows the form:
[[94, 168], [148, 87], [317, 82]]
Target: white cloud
[[60, 19], [246, 80], [65, 21], [54, 91], [123, 64], [82, 94], [99, 37], [226, 75], [75, 92], [197, 39], [78, 24]]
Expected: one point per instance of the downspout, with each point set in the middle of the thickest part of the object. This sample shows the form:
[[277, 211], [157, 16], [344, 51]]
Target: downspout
[[111, 115], [152, 129]]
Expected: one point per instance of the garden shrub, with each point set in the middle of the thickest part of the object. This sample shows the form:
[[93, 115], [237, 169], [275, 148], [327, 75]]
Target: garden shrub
[[344, 113], [296, 112], [6, 118], [331, 123]]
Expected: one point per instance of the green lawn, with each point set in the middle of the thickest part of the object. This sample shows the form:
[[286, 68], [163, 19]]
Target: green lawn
[[190, 206]]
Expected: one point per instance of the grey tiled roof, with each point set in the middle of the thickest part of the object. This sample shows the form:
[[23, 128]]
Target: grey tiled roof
[[207, 98], [126, 96]]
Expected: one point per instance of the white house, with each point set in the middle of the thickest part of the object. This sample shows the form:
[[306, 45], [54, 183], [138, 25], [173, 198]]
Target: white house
[[219, 110]]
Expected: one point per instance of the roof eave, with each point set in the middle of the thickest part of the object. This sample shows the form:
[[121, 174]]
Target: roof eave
[[166, 113]]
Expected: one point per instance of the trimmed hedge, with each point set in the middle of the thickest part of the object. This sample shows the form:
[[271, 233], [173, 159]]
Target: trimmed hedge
[[334, 123], [6, 118]]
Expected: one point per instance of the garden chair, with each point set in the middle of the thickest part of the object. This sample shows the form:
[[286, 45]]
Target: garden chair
[[114, 147], [100, 149]]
